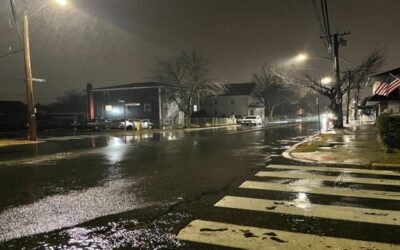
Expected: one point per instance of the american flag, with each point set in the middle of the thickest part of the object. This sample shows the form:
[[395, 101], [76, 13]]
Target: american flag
[[388, 85]]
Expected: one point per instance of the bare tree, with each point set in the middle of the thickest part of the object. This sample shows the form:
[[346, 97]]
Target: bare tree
[[272, 90], [71, 101], [357, 75], [187, 74]]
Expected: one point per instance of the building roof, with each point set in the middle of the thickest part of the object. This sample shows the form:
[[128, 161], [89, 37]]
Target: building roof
[[239, 88], [385, 73], [134, 85]]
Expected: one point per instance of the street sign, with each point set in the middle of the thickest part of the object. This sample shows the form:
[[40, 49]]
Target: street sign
[[132, 104], [35, 80], [38, 80]]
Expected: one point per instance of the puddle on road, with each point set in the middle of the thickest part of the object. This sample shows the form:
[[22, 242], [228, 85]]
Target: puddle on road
[[127, 233]]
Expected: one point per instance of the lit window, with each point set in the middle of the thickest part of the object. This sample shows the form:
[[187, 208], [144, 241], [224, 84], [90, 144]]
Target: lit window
[[109, 108]]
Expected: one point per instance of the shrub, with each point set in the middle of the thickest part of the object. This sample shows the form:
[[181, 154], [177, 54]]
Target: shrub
[[389, 130]]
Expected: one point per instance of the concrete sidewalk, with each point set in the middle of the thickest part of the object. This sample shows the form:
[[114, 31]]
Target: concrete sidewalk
[[354, 145]]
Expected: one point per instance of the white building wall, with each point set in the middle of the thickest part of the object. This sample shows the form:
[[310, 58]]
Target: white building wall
[[226, 105]]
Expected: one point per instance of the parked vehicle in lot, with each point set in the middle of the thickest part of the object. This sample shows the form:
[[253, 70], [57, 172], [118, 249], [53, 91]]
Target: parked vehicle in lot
[[98, 124], [239, 118], [252, 120], [146, 124], [134, 124]]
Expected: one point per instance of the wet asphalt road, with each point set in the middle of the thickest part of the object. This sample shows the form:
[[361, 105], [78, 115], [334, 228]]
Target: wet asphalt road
[[105, 191]]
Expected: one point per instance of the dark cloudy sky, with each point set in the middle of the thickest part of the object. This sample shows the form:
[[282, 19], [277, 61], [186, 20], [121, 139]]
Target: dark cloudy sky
[[110, 42]]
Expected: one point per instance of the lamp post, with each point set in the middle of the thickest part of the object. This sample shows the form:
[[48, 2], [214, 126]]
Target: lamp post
[[28, 71], [124, 110]]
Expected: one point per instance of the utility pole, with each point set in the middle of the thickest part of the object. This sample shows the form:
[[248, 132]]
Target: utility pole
[[337, 42], [319, 116], [357, 100], [348, 98], [29, 87]]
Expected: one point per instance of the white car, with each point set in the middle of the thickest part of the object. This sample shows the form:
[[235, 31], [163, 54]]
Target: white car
[[252, 120]]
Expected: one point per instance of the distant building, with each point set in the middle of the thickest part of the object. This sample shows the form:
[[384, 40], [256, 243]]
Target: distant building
[[143, 100], [13, 115], [238, 100]]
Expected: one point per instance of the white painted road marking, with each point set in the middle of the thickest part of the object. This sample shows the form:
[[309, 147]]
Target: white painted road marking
[[333, 169], [305, 208], [237, 236], [304, 188], [340, 178]]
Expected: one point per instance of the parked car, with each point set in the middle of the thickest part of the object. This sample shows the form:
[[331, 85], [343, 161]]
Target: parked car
[[131, 124], [252, 120], [98, 124], [239, 118], [146, 124]]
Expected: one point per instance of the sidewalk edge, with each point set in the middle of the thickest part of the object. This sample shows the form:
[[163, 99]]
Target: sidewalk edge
[[287, 154]]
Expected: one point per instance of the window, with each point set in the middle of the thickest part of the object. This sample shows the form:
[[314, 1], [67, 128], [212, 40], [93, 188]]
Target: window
[[109, 108], [147, 107]]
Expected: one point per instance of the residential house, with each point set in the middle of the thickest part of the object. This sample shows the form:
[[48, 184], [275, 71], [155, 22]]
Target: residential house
[[237, 100]]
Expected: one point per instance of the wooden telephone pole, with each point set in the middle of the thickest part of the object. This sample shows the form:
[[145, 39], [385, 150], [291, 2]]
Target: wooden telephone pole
[[29, 87]]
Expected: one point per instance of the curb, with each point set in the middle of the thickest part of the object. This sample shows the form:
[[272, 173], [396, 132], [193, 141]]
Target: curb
[[287, 154], [377, 164]]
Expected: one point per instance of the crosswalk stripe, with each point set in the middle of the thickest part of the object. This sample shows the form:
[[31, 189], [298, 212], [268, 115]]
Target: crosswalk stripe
[[245, 237], [340, 178], [305, 208], [333, 169], [314, 187]]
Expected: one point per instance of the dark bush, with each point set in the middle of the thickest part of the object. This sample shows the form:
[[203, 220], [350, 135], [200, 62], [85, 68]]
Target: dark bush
[[389, 130]]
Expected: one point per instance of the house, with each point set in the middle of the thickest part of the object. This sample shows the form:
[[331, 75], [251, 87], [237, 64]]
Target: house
[[13, 115], [385, 102], [237, 100], [142, 100]]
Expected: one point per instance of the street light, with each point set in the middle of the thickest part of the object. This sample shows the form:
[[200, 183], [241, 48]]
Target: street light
[[326, 80], [62, 2], [301, 57], [28, 73]]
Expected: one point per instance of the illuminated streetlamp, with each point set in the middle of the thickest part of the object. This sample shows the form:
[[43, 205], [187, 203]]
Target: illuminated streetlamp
[[62, 2], [301, 57], [326, 80]]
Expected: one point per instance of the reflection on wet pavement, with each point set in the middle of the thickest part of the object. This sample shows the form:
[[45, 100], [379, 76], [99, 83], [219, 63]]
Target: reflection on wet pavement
[[102, 176]]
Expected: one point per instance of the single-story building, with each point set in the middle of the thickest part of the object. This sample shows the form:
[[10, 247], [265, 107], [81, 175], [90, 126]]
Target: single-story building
[[142, 100], [237, 100]]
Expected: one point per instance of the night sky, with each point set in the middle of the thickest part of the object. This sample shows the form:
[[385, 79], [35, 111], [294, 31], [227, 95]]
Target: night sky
[[109, 42]]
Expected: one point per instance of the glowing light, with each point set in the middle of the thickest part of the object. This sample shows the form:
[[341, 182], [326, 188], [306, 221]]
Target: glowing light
[[301, 57], [326, 80], [62, 2]]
